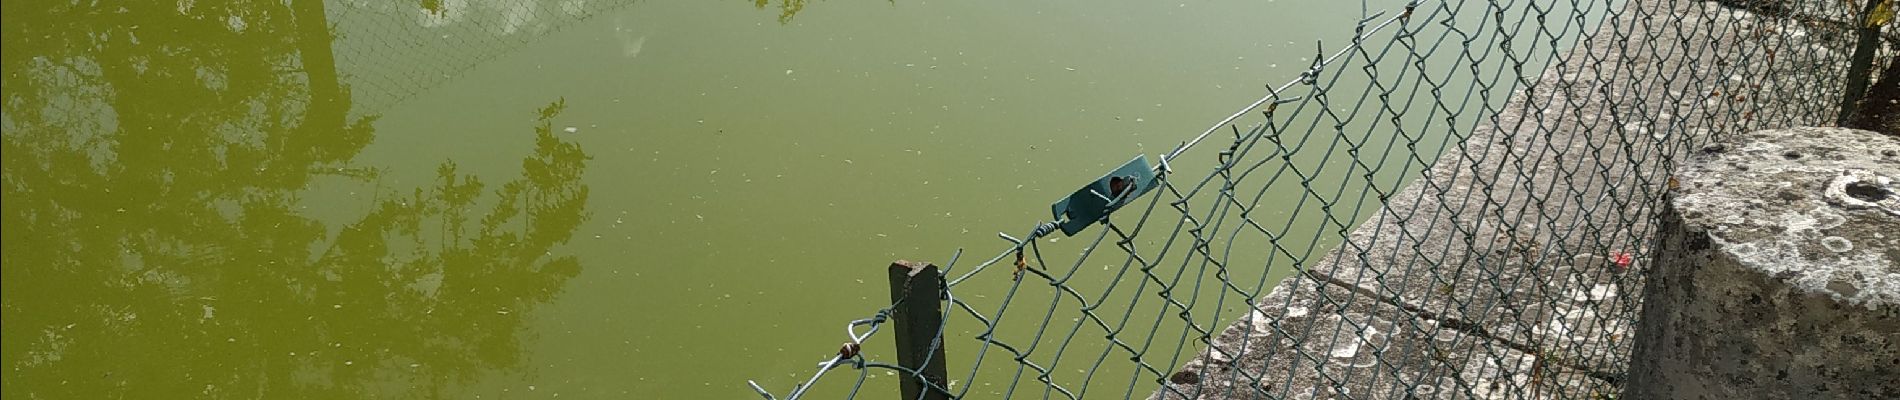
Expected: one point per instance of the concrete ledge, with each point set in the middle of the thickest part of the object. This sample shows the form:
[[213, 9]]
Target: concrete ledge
[[1777, 273], [1321, 341]]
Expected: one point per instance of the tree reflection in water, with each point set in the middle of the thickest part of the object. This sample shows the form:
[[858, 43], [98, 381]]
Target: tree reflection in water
[[159, 158]]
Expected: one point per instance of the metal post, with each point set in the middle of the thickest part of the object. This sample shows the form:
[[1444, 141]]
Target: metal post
[[918, 319]]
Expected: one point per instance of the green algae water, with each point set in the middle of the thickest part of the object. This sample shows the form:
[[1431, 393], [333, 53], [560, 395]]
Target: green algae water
[[494, 199]]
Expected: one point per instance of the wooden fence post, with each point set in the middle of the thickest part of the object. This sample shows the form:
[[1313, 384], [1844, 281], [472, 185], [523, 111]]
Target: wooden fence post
[[1860, 67], [917, 319]]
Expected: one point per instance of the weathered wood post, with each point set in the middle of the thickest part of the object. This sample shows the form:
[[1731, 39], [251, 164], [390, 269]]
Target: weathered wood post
[[1860, 66], [918, 318]]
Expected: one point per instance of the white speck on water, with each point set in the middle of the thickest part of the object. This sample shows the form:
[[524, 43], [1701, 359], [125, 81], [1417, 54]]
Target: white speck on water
[[1141, 120], [1069, 68], [630, 48], [788, 72], [571, 129]]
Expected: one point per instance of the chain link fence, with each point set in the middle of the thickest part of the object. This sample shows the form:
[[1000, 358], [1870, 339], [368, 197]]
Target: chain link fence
[[1502, 162]]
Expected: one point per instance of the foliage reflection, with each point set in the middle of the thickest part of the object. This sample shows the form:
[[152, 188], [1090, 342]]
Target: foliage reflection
[[161, 161]]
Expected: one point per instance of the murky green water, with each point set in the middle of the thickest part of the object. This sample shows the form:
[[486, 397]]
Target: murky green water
[[211, 199]]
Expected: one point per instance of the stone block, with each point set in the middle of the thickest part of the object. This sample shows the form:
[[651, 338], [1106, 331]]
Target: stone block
[[1777, 273]]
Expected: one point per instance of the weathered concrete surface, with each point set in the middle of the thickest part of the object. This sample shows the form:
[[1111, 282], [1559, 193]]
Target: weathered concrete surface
[[1330, 334], [1492, 275], [1778, 275]]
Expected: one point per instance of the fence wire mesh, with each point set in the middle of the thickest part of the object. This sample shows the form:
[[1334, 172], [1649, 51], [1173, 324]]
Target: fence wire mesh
[[1503, 160]]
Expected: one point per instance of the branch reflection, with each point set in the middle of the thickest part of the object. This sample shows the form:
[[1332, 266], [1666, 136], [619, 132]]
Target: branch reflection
[[160, 161]]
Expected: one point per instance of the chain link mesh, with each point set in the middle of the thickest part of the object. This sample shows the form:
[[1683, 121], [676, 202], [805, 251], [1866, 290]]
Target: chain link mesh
[[1501, 164]]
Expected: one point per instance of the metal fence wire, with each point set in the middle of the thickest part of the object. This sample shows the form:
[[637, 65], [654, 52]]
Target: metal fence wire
[[1501, 164]]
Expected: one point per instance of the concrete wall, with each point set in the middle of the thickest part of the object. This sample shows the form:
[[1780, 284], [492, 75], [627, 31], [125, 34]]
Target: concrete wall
[[1777, 273]]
